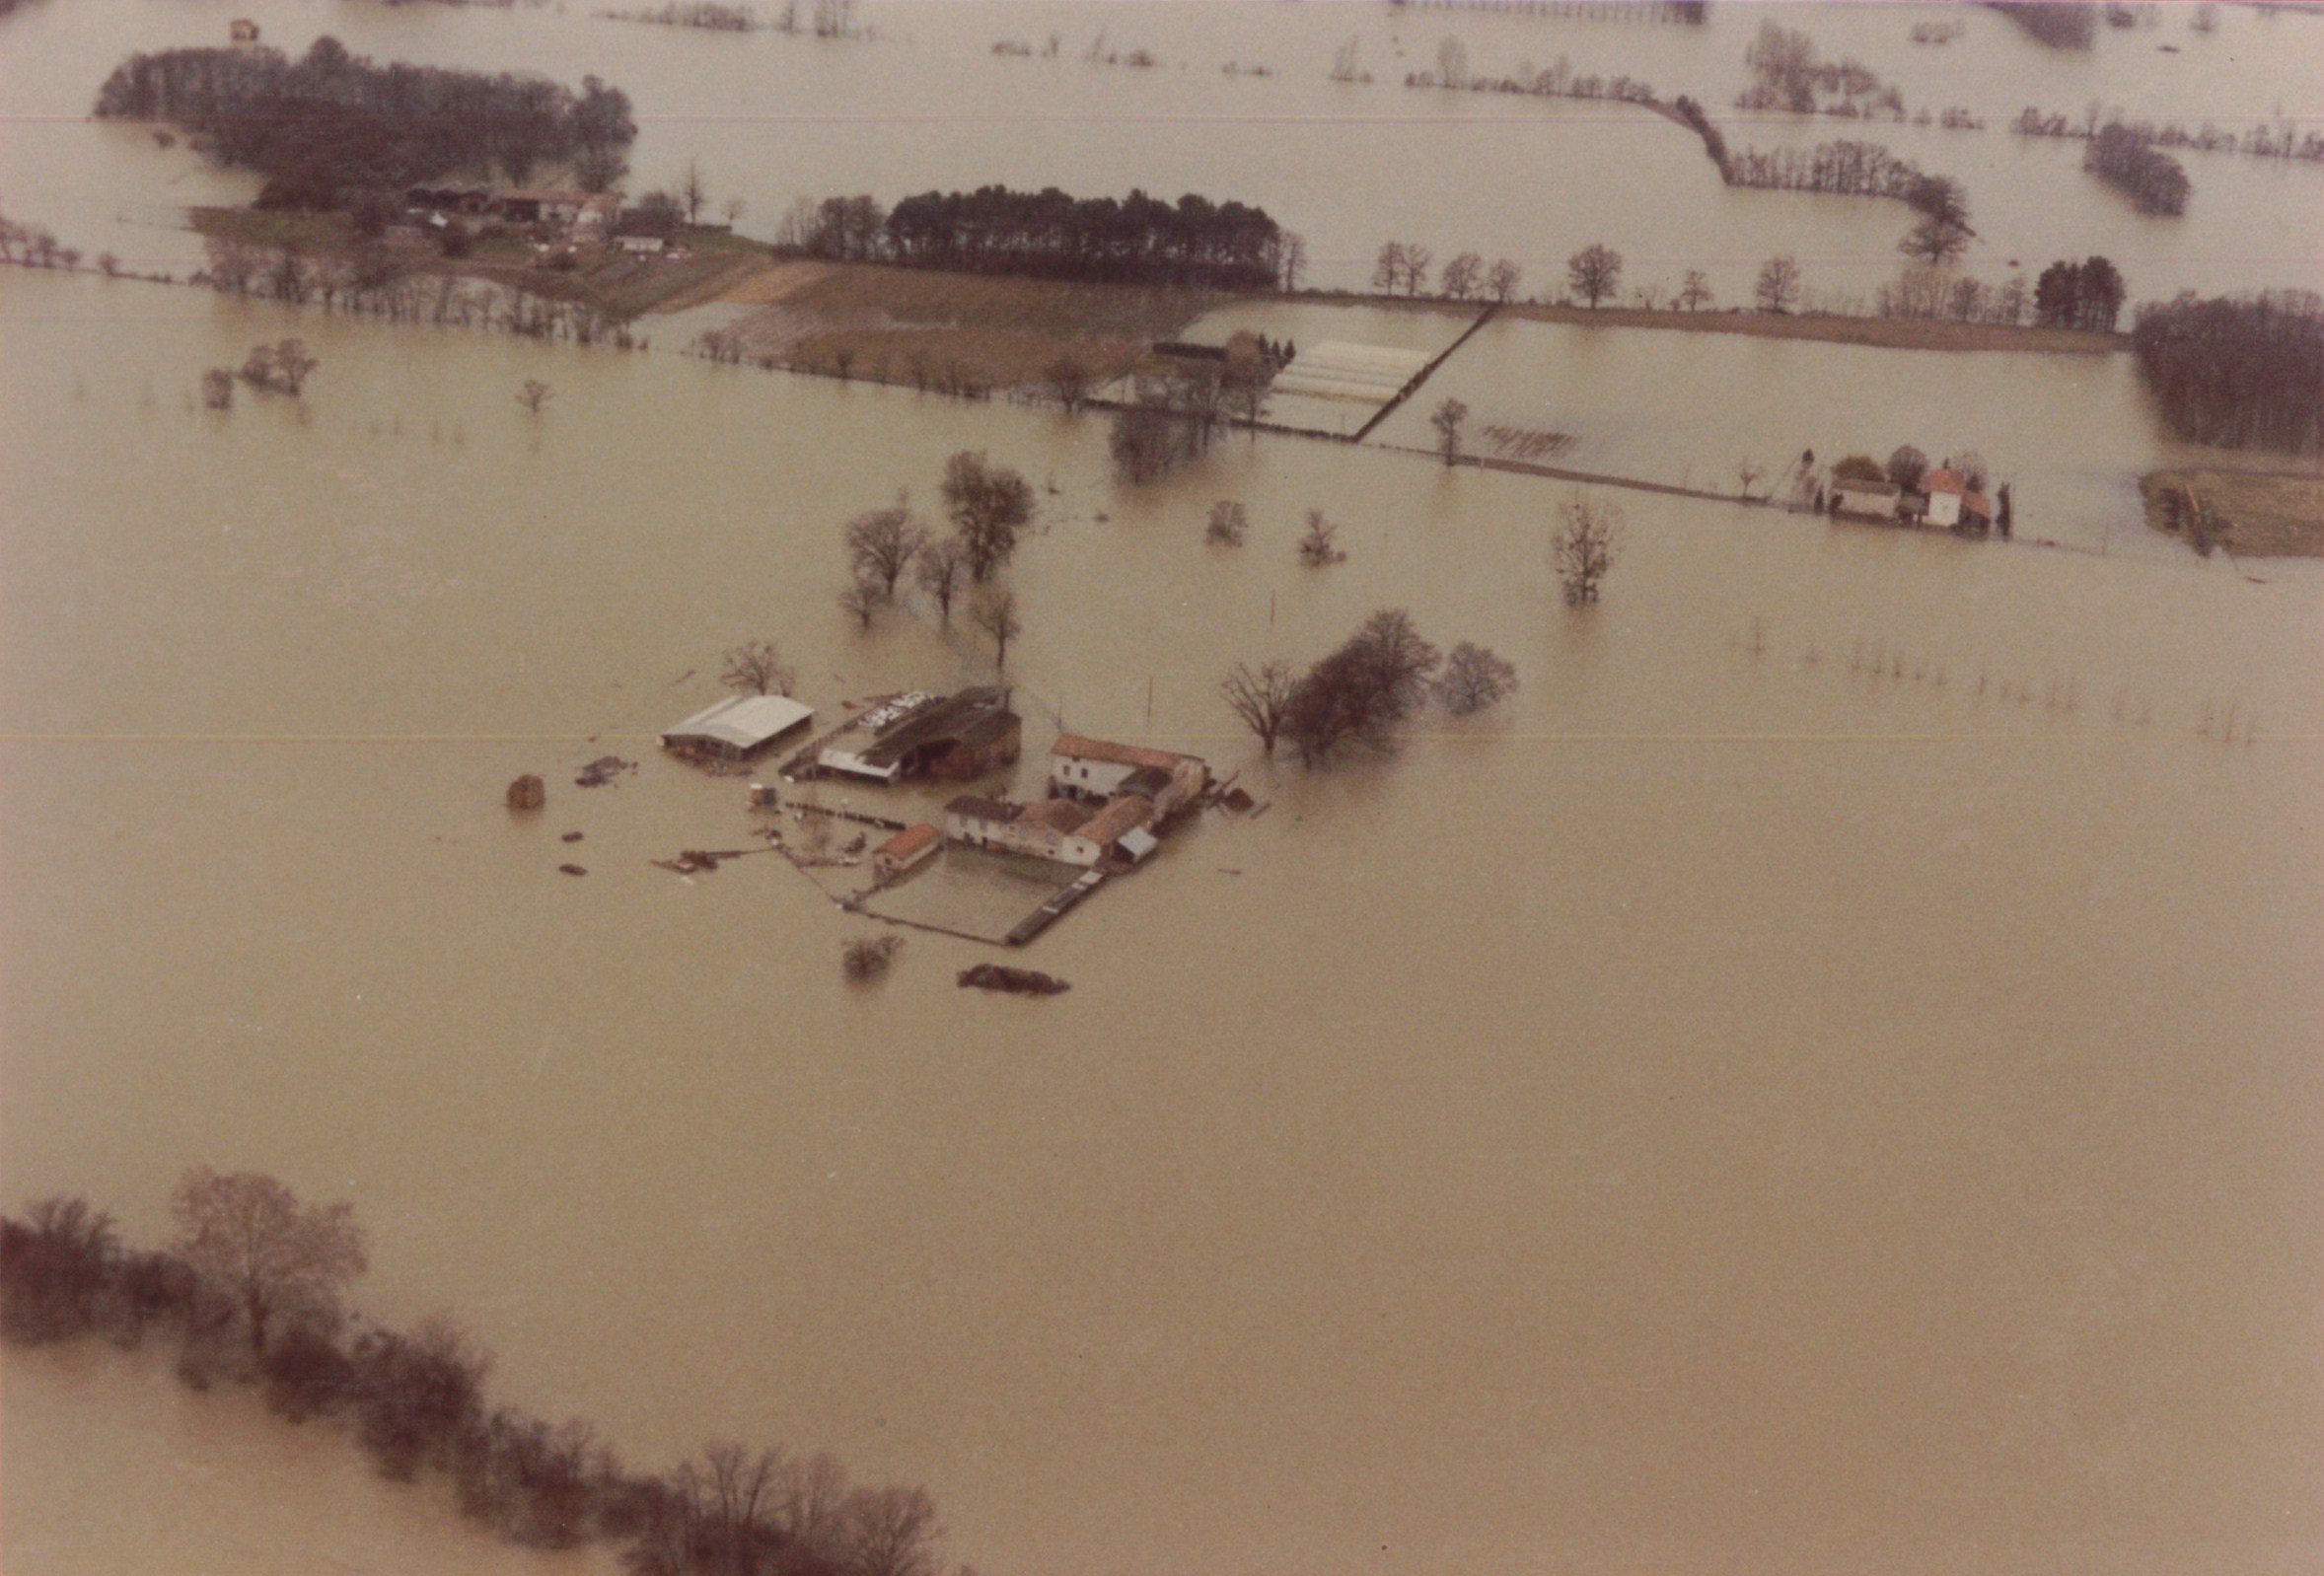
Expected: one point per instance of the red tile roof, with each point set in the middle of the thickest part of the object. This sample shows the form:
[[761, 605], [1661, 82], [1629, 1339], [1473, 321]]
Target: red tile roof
[[1082, 748], [911, 840], [1945, 481]]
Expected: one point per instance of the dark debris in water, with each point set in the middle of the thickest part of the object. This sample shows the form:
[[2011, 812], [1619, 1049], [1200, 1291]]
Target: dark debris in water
[[1019, 982], [603, 770]]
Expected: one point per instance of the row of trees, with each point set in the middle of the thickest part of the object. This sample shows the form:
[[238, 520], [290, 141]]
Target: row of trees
[[2153, 181], [376, 283], [331, 125], [1048, 233], [1404, 265], [2286, 141], [989, 507], [2243, 372], [254, 1287]]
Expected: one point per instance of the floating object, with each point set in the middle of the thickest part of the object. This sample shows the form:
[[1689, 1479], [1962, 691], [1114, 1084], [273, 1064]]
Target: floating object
[[572, 837], [604, 769], [1018, 981], [527, 793], [572, 870]]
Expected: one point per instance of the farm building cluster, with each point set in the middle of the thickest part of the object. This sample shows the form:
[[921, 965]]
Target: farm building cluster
[[1105, 809], [1945, 500]]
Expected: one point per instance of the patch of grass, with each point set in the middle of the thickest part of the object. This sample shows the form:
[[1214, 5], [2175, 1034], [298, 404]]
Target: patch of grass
[[2266, 513]]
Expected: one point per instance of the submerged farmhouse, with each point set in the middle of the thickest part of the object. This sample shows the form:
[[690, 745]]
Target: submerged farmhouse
[[1109, 803]]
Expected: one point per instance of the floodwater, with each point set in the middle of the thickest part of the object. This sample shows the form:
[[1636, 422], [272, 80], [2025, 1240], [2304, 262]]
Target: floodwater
[[1824, 1079], [927, 104]]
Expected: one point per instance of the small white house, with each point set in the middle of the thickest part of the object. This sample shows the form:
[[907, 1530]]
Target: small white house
[[1945, 492]]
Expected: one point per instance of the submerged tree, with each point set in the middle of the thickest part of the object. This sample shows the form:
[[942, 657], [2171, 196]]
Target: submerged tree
[[1360, 692], [535, 395], [942, 563], [883, 542], [996, 615], [1321, 544], [756, 667], [1475, 678], [1447, 422], [1228, 524], [248, 1236], [1261, 697], [989, 505], [1583, 550]]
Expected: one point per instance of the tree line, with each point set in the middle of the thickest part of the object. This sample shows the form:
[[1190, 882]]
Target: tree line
[[252, 1289], [1789, 74], [2241, 371], [1047, 234], [332, 125], [2079, 295], [2260, 142]]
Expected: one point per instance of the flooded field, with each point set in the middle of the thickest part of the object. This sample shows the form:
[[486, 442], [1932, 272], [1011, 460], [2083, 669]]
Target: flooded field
[[1823, 1079], [927, 104], [2069, 433]]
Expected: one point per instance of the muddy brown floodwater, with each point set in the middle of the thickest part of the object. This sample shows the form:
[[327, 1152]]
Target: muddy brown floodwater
[[1824, 1079]]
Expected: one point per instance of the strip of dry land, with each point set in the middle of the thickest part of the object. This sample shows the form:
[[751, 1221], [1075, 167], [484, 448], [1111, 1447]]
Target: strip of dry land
[[2260, 507]]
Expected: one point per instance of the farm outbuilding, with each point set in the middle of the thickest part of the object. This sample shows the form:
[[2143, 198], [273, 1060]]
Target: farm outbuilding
[[738, 727], [911, 847]]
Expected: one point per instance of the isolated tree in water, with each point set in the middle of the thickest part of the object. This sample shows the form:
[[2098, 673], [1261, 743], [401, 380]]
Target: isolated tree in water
[[249, 1237], [883, 542], [1475, 677], [1583, 548], [756, 667], [997, 617], [1261, 697], [989, 505], [1447, 422]]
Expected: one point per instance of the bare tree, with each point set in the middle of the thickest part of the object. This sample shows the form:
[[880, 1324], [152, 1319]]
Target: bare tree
[[692, 191], [883, 542], [811, 1507], [1502, 282], [535, 395], [1447, 422], [941, 565], [1228, 524], [249, 1237], [218, 388], [1417, 261], [1321, 544], [1583, 548], [892, 1531], [988, 504], [1069, 381], [1261, 697], [1908, 468], [996, 615], [1475, 677], [1460, 276], [756, 667], [1594, 273], [1747, 473], [1695, 292], [733, 209], [1779, 285], [861, 598], [1290, 259], [1387, 272]]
